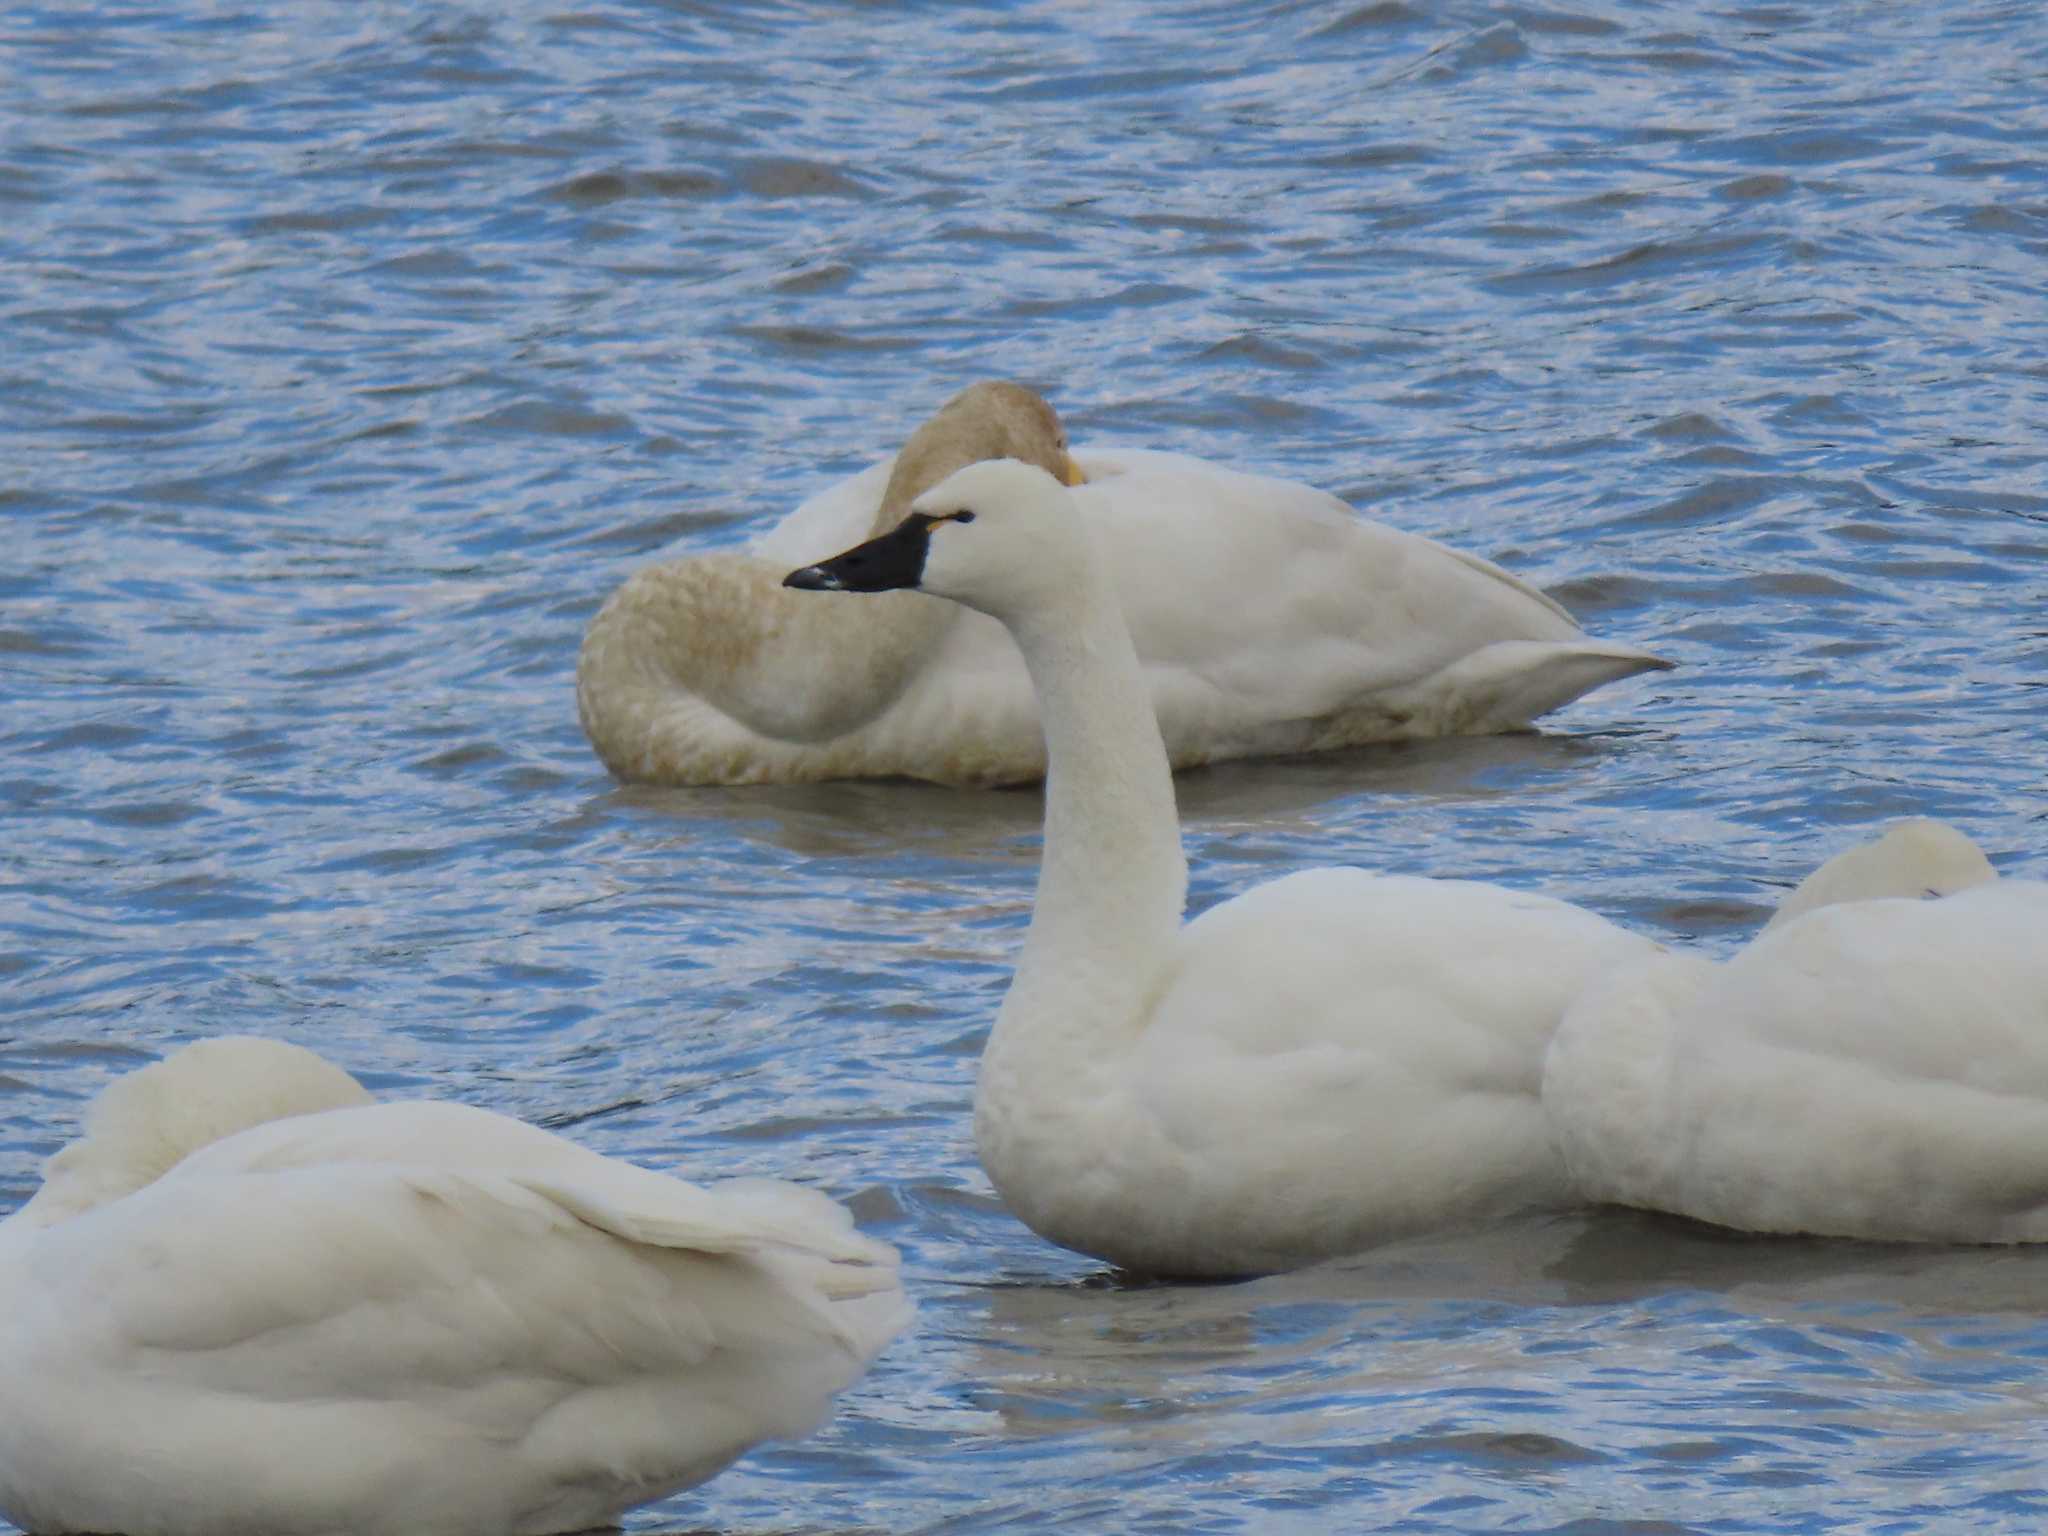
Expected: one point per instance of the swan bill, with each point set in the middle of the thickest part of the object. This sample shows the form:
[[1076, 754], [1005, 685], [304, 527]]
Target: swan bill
[[893, 561]]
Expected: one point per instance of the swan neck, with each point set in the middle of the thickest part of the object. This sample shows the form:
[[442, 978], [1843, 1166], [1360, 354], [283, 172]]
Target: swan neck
[[1113, 877], [1104, 929], [721, 629]]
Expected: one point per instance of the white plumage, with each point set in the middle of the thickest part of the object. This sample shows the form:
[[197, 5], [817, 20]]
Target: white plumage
[[1328, 1061], [252, 1302], [1873, 1065], [1268, 617]]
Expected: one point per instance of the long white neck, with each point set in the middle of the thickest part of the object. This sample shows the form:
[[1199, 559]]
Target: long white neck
[[1113, 877]]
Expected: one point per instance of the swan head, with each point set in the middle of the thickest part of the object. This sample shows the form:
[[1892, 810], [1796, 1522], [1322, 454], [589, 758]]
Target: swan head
[[1004, 537], [144, 1124], [1913, 859], [990, 420]]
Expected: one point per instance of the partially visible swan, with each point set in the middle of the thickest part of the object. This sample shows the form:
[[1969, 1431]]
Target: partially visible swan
[[1872, 1065], [1325, 1062], [1912, 859], [1269, 618], [252, 1300]]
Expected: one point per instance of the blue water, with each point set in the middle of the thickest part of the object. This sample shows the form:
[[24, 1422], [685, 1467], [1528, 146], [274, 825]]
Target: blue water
[[350, 354]]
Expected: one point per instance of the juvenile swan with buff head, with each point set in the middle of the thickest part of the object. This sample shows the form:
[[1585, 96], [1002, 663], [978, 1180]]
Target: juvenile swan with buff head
[[1269, 617]]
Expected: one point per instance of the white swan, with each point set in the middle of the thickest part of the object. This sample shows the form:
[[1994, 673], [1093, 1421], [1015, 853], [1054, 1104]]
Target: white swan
[[1270, 618], [251, 1300], [1871, 1065], [1327, 1061], [1912, 859]]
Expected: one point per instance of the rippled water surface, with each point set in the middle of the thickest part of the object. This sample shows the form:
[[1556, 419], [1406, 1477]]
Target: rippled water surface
[[352, 353]]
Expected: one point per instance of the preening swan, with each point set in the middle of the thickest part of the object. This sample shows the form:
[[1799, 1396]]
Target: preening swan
[[250, 1301], [1325, 1062], [1913, 859], [1269, 618], [1872, 1065]]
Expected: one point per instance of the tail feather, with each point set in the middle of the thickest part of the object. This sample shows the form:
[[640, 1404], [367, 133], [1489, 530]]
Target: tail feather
[[1512, 682]]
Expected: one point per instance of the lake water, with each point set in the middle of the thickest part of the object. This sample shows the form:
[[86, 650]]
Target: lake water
[[353, 353]]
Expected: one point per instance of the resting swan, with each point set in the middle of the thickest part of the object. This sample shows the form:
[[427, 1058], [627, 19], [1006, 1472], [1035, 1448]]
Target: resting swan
[[1269, 618], [1872, 1065], [252, 1300], [1330, 1060]]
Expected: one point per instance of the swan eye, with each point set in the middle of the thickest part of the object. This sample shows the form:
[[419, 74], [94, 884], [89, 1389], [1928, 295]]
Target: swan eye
[[963, 517]]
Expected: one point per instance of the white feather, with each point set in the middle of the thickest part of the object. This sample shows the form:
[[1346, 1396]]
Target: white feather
[[401, 1318], [1872, 1065]]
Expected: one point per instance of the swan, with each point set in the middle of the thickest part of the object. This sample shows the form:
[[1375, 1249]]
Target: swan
[[1912, 859], [252, 1301], [1330, 1060], [1270, 618], [1871, 1065]]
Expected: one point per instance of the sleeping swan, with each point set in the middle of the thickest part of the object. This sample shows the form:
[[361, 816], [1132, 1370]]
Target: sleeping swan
[[252, 1300], [1872, 1065], [1269, 618], [1330, 1060]]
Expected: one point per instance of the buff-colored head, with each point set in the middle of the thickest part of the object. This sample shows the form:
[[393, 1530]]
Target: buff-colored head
[[990, 420], [1913, 859]]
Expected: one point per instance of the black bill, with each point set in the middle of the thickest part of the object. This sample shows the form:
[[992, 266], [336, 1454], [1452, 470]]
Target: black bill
[[885, 564]]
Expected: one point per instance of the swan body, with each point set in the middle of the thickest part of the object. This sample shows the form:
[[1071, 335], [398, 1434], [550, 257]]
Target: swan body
[[1269, 618], [1873, 1065], [1328, 1061], [254, 1302]]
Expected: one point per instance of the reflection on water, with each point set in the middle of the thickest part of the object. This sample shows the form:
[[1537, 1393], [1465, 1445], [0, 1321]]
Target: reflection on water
[[354, 355], [1586, 1357]]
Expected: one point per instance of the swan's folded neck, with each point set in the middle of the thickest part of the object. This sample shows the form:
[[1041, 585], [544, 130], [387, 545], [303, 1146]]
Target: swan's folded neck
[[720, 628], [1113, 877]]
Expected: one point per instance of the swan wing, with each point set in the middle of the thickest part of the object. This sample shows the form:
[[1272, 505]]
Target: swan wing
[[1250, 587], [742, 1216], [1371, 1044], [1337, 950]]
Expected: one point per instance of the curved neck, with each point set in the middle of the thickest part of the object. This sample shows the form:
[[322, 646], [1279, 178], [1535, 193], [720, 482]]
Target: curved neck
[[1113, 877], [721, 628]]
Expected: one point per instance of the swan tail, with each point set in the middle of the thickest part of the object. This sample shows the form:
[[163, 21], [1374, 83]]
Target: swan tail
[[795, 1231], [1511, 682]]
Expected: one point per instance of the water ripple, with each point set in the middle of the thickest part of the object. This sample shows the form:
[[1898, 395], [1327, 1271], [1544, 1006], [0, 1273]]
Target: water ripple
[[354, 355]]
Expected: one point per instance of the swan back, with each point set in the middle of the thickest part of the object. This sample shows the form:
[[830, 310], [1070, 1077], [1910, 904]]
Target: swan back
[[145, 1123], [1913, 859]]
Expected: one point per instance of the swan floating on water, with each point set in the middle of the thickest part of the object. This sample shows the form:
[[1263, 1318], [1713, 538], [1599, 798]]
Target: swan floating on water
[[251, 1300], [1269, 618], [1328, 1061], [1872, 1065]]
